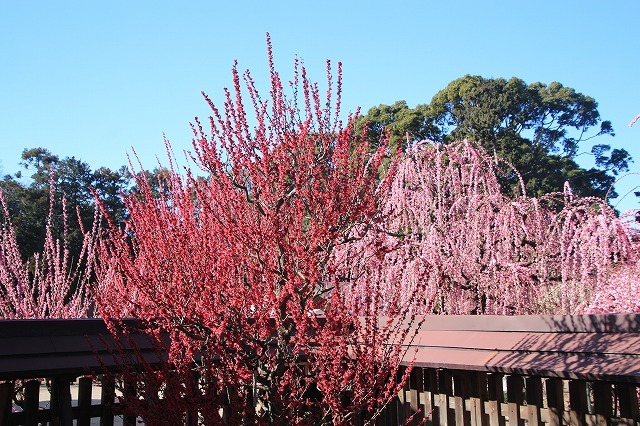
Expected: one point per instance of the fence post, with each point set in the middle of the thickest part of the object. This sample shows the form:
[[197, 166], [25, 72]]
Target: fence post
[[191, 414], [447, 416], [403, 406], [432, 397], [416, 388], [85, 385], [602, 402], [106, 400], [61, 401], [129, 393], [628, 400], [31, 401], [390, 415], [534, 400], [555, 401], [577, 402], [6, 400], [477, 398], [515, 391], [496, 398], [461, 382]]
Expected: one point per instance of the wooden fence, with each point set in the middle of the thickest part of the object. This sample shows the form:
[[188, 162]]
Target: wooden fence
[[467, 370], [577, 370], [60, 354]]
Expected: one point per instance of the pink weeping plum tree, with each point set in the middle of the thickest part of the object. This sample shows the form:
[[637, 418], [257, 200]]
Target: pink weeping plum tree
[[49, 284], [237, 266], [621, 292], [448, 233]]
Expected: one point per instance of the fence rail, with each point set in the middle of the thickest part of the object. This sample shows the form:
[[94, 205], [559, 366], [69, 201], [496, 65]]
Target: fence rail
[[467, 371]]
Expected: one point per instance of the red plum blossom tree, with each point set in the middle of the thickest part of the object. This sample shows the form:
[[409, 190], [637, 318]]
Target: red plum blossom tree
[[238, 266]]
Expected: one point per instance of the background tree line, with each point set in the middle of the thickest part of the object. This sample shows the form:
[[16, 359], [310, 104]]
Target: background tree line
[[537, 128], [49, 179]]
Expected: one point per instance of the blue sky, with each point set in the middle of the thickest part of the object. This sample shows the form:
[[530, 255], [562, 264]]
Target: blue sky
[[92, 79]]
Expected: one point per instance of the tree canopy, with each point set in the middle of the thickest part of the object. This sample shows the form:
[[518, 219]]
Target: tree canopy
[[538, 128], [28, 201], [238, 266], [448, 232]]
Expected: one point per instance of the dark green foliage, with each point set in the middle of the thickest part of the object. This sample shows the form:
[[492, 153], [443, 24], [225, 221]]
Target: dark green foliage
[[73, 180], [28, 208], [537, 128], [157, 180], [397, 120]]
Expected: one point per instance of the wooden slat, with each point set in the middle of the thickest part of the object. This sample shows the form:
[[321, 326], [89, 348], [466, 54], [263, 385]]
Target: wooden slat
[[61, 401], [533, 393], [129, 392], [31, 400], [445, 411], [6, 399], [47, 348], [478, 398], [65, 364], [496, 398], [555, 401], [107, 399], [461, 391], [85, 385], [392, 417], [577, 402], [18, 345], [403, 400], [515, 393], [416, 383], [602, 402], [628, 400], [434, 385], [430, 391]]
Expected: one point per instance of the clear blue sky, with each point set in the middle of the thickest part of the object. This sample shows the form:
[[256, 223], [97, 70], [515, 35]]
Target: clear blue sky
[[92, 79]]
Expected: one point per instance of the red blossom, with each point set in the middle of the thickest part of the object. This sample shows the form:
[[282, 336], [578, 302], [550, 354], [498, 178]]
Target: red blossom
[[237, 264]]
